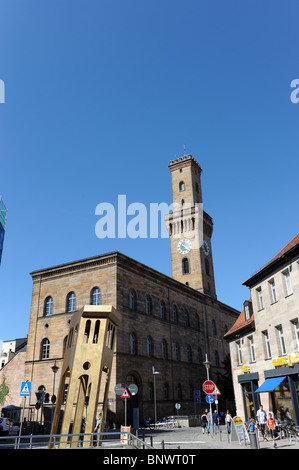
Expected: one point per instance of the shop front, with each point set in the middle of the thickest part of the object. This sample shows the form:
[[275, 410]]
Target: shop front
[[249, 385], [283, 385]]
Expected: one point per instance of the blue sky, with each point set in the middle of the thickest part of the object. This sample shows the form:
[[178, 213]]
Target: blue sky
[[101, 95]]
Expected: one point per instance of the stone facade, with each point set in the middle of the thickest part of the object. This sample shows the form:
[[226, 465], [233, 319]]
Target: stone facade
[[166, 323], [266, 343]]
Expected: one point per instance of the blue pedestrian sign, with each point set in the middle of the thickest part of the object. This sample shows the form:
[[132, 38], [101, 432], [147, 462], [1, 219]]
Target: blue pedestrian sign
[[25, 389], [197, 396], [210, 399]]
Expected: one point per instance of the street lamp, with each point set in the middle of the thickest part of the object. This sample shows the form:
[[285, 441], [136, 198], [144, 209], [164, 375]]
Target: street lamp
[[207, 366], [155, 372], [55, 370]]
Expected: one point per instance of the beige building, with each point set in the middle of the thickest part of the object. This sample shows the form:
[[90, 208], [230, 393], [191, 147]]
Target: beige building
[[166, 323], [264, 341]]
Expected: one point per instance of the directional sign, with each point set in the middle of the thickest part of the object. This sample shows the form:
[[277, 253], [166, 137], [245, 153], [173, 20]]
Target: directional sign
[[25, 389], [210, 399], [210, 388], [197, 396], [125, 394]]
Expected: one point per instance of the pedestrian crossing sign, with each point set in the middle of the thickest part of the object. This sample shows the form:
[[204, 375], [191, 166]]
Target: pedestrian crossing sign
[[25, 389]]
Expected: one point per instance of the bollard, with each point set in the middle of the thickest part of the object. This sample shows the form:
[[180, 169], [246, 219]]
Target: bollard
[[253, 440]]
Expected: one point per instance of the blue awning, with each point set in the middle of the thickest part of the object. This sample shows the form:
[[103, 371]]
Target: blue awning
[[270, 384]]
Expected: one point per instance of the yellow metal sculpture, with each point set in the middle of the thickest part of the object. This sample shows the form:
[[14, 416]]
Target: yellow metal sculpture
[[89, 354]]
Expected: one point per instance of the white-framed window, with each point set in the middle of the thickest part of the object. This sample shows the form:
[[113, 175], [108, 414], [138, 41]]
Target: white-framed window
[[251, 347], [273, 291], [239, 352], [71, 302], [260, 298], [45, 349], [287, 281], [296, 331], [267, 344], [281, 339], [148, 305], [96, 296]]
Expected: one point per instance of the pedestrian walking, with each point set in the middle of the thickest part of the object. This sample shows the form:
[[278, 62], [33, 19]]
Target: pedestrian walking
[[204, 421], [228, 421], [215, 421], [271, 425], [262, 421]]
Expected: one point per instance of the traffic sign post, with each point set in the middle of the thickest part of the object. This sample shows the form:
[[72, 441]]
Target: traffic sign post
[[24, 392], [210, 399], [210, 387]]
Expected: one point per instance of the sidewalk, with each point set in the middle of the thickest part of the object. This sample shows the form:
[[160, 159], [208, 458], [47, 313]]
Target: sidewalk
[[193, 438]]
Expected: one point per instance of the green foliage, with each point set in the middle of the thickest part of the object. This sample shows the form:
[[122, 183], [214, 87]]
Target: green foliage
[[4, 391]]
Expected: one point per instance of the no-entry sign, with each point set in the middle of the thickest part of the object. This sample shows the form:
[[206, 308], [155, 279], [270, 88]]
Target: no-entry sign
[[210, 388]]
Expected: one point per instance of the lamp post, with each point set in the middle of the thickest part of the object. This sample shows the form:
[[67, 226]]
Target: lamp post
[[207, 366], [55, 370], [155, 372]]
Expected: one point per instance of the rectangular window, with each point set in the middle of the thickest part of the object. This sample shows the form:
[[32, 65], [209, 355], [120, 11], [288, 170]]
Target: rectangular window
[[287, 281], [260, 298], [296, 331], [267, 344], [281, 340], [239, 352], [273, 291], [252, 351]]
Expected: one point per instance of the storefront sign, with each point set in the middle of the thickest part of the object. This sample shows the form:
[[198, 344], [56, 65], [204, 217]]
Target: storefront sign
[[287, 360], [239, 431], [246, 369]]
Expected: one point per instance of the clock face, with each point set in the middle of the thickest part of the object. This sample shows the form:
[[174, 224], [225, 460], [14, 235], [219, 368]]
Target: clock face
[[205, 247], [184, 246]]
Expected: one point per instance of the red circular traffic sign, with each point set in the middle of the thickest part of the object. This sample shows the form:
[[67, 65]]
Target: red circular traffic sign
[[210, 388]]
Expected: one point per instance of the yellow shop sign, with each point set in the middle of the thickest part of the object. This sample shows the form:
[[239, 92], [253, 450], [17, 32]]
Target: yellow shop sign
[[287, 360]]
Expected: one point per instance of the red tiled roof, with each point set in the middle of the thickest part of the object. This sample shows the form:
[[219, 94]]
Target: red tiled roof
[[240, 323]]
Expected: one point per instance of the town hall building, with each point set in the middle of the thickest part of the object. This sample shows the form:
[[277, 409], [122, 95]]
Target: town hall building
[[167, 323]]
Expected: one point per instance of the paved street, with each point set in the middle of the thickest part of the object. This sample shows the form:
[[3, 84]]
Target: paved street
[[193, 438]]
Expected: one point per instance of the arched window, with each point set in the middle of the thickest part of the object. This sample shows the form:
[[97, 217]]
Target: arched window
[[148, 305], [45, 349], [177, 353], [185, 266], [64, 345], [132, 344], [186, 318], [164, 349], [71, 302], [197, 324], [162, 310], [214, 329], [149, 346], [180, 395], [132, 300], [48, 307], [174, 314], [96, 296], [182, 186]]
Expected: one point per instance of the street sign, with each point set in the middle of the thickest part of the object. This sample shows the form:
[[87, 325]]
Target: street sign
[[133, 389], [125, 394], [119, 388], [197, 396], [25, 389], [210, 388], [210, 399]]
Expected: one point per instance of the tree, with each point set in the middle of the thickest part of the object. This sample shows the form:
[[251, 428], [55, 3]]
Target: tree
[[4, 391]]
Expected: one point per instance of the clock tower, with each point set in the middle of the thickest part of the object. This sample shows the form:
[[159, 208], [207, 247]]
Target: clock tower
[[190, 228]]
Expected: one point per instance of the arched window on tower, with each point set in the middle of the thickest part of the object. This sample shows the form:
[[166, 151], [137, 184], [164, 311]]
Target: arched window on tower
[[185, 266], [182, 186]]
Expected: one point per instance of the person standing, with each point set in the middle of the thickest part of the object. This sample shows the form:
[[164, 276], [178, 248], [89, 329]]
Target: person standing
[[215, 420], [262, 421], [228, 421], [204, 421], [271, 425]]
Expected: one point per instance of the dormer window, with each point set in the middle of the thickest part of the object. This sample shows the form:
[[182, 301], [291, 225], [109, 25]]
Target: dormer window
[[248, 309]]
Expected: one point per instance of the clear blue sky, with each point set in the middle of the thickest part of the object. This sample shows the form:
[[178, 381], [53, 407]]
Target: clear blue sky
[[101, 95]]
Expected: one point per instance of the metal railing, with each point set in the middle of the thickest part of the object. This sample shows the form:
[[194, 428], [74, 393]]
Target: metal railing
[[81, 440]]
